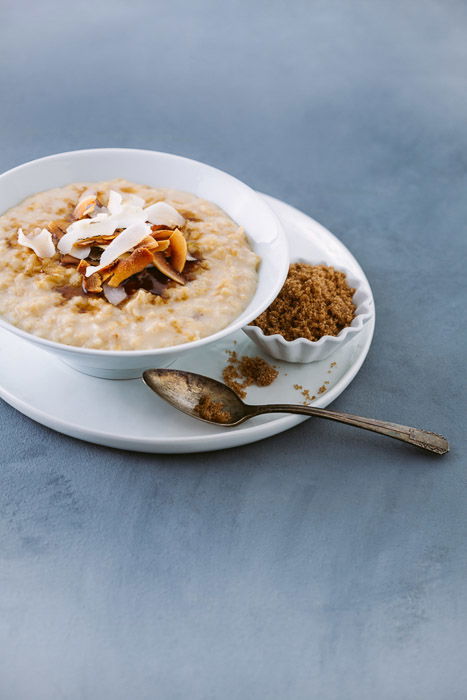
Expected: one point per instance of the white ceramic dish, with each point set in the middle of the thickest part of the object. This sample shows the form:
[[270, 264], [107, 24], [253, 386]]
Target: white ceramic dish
[[303, 350], [53, 394], [243, 205]]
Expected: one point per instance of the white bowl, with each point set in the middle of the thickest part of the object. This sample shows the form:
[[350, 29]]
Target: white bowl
[[244, 205], [303, 350]]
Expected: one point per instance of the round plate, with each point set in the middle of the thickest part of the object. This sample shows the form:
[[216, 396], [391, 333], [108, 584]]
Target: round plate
[[126, 414]]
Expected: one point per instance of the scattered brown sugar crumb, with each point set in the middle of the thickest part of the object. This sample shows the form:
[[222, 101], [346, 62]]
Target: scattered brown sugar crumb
[[314, 301], [209, 409], [333, 364], [322, 389], [245, 371], [305, 393]]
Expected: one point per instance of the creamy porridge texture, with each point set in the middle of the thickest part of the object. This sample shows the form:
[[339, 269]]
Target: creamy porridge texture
[[164, 301]]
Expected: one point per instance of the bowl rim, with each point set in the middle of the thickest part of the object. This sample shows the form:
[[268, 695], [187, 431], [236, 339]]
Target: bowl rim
[[182, 347]]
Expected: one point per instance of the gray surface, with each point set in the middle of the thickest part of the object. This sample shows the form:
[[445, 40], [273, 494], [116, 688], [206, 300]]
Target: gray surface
[[323, 563]]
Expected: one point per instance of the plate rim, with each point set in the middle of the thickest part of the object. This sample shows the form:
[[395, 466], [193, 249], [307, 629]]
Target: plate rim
[[222, 440]]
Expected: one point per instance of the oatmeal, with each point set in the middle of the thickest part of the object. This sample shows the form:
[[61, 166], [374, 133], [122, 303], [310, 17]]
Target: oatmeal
[[119, 266]]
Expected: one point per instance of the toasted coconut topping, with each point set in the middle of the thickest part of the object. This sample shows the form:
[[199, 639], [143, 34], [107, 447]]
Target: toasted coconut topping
[[86, 205], [129, 238], [150, 244], [123, 238], [178, 250], [80, 253], [115, 295], [134, 200], [93, 284], [161, 234], [164, 214], [114, 204], [162, 264], [138, 260], [95, 240], [40, 241], [163, 245], [69, 260], [83, 264], [58, 228]]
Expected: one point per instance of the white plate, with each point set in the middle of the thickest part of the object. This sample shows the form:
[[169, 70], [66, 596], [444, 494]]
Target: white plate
[[126, 414]]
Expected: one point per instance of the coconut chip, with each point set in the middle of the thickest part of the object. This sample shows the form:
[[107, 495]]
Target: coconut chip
[[58, 229], [39, 240], [163, 214], [178, 250], [126, 240], [114, 295], [86, 205], [138, 260], [162, 264]]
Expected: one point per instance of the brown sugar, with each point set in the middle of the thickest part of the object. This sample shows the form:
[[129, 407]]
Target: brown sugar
[[314, 301], [305, 393], [244, 371], [209, 409]]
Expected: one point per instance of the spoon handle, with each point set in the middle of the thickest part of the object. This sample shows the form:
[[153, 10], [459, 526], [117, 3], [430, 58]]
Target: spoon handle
[[421, 438]]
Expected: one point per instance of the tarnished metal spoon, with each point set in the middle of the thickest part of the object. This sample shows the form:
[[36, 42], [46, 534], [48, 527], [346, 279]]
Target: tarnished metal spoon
[[184, 390]]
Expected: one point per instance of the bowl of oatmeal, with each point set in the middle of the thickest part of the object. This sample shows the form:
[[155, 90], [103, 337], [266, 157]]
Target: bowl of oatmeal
[[118, 260]]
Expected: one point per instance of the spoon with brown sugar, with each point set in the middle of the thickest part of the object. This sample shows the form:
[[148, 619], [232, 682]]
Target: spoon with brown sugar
[[214, 402]]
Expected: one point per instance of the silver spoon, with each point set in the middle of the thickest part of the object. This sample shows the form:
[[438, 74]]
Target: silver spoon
[[184, 390]]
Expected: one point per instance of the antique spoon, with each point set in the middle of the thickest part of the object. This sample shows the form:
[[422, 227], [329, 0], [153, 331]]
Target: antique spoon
[[184, 390]]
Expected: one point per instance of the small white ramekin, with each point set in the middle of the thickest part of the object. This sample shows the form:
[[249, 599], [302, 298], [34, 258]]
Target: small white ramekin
[[303, 350]]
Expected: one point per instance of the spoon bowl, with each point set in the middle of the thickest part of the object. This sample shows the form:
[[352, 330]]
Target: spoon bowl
[[187, 391]]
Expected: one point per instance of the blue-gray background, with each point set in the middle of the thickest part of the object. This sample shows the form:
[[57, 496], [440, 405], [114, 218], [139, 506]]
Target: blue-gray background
[[323, 563]]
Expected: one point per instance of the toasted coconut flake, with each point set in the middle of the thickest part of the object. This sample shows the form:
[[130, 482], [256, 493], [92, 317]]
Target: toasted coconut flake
[[164, 214], [93, 284], [70, 260], [40, 241], [127, 240], [114, 204], [95, 240], [138, 260], [87, 229], [163, 245], [134, 200], [163, 265], [80, 253], [149, 243], [58, 228], [161, 234], [86, 205], [178, 250], [114, 295], [82, 267]]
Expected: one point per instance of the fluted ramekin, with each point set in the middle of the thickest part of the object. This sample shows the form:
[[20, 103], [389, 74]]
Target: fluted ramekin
[[302, 350]]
